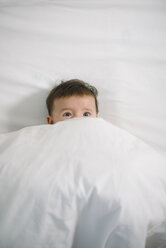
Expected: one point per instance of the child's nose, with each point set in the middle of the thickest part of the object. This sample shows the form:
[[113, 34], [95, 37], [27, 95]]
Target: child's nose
[[77, 115]]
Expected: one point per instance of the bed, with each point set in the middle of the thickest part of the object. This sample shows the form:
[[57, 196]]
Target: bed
[[65, 191]]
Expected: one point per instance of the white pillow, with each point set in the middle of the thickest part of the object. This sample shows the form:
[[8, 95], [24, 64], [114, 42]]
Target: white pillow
[[115, 45]]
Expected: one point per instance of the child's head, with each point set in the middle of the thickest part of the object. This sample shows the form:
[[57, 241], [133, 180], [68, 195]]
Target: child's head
[[72, 99]]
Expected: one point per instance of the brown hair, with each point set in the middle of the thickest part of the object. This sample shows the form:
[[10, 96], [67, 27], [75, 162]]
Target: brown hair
[[70, 88]]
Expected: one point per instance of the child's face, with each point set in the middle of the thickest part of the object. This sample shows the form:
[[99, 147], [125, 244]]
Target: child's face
[[72, 107]]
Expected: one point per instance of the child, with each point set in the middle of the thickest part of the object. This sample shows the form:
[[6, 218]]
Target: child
[[72, 99]]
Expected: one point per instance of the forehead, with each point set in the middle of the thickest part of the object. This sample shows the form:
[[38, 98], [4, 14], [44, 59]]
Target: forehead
[[85, 101]]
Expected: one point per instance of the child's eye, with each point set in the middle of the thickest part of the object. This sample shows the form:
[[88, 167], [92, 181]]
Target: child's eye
[[86, 114], [67, 114]]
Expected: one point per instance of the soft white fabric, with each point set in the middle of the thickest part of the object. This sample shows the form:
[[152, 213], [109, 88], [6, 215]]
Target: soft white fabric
[[80, 183], [116, 45]]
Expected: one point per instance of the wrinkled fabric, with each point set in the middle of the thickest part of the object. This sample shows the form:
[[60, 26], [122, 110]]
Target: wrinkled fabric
[[80, 183]]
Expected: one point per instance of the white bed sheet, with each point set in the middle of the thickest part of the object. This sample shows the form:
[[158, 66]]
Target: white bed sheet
[[116, 45], [80, 183]]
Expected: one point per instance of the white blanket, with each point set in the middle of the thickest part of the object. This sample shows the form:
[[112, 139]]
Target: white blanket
[[81, 183]]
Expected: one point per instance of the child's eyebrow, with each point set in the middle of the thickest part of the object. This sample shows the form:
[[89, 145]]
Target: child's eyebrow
[[65, 109], [87, 109]]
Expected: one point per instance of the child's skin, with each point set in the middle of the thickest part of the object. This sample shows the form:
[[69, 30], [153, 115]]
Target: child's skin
[[72, 107]]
